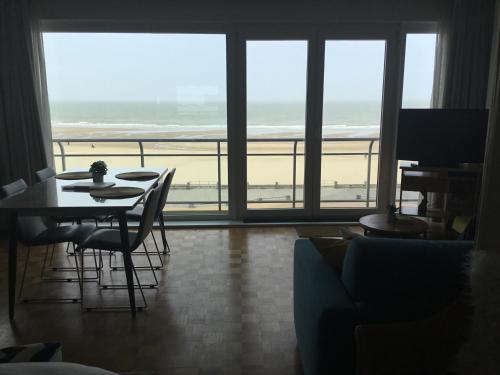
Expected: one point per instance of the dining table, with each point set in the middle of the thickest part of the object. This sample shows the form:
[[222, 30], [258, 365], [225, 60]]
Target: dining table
[[49, 198]]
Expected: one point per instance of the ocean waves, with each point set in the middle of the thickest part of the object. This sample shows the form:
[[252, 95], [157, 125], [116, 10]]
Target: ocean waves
[[199, 131]]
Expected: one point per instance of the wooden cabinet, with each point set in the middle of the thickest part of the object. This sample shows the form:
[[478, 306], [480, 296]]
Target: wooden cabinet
[[459, 188]]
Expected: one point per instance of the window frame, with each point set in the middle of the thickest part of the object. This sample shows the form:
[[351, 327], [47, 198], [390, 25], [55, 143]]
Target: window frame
[[315, 33]]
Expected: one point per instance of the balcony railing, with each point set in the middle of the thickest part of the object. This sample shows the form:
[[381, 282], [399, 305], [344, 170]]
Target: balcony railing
[[143, 156]]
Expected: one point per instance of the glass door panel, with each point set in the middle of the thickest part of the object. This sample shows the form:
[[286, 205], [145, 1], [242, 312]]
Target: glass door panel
[[161, 98], [418, 83], [352, 112], [276, 110]]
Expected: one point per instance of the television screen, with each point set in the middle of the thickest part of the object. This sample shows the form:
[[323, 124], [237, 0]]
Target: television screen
[[442, 137]]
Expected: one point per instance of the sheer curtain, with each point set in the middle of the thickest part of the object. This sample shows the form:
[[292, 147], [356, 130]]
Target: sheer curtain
[[463, 52], [24, 133], [463, 55]]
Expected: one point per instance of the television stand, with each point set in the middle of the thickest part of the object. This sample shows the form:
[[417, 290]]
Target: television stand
[[460, 188]]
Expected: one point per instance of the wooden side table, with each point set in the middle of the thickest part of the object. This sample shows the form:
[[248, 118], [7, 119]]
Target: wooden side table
[[404, 226]]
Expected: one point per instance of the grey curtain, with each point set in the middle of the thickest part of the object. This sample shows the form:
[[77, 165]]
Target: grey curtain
[[23, 140], [488, 238], [464, 45]]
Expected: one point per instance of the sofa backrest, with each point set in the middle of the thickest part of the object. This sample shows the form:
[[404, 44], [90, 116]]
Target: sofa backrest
[[381, 271]]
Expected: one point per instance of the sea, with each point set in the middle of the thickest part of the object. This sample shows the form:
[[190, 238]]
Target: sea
[[209, 119]]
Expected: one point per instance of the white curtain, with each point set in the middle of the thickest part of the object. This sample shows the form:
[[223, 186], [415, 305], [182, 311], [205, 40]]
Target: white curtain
[[24, 139]]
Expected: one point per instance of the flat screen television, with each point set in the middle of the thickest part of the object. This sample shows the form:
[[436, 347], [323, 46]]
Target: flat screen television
[[442, 137]]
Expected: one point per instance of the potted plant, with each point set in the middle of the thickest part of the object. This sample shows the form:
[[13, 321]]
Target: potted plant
[[98, 169]]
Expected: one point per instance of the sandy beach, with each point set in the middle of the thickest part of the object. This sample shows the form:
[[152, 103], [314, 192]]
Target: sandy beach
[[201, 169]]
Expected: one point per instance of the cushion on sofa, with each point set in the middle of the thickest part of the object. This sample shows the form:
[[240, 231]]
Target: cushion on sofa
[[39, 352], [52, 368], [332, 249], [380, 271]]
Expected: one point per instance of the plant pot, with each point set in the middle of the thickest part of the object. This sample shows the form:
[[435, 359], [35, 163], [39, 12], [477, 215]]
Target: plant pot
[[97, 177]]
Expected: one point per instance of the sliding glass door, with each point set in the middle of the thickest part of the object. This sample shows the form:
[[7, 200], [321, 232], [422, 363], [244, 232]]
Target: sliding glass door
[[352, 114], [314, 110], [259, 123], [276, 77]]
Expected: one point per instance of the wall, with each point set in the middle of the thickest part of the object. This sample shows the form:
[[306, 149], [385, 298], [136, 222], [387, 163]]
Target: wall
[[223, 11]]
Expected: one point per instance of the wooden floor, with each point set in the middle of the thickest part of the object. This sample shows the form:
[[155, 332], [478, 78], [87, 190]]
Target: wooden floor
[[224, 306]]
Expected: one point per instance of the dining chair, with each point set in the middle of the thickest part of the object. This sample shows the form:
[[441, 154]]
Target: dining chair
[[44, 174], [40, 231], [13, 188], [109, 239], [136, 213]]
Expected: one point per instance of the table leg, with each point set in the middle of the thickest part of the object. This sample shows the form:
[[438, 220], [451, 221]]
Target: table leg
[[127, 260], [12, 264]]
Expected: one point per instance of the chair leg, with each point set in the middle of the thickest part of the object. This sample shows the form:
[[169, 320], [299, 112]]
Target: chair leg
[[150, 264], [51, 260], [42, 272], [140, 289], [71, 269], [127, 260], [24, 272], [80, 277], [43, 299], [101, 267], [166, 247], [111, 253], [157, 249], [67, 249], [97, 267]]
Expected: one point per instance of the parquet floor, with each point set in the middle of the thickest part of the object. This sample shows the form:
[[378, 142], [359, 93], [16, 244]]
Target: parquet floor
[[224, 306]]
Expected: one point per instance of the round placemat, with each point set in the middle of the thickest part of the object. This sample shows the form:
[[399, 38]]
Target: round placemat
[[74, 176], [137, 176], [117, 192]]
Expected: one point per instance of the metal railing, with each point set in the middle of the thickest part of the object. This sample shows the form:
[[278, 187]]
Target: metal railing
[[142, 155]]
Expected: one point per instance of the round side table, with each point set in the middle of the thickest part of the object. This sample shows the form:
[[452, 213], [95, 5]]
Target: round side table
[[404, 226]]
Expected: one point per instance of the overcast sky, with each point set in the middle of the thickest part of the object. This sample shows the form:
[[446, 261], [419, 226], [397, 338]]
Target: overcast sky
[[192, 68]]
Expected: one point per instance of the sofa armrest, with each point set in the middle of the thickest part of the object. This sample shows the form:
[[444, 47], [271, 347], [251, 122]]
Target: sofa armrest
[[323, 313]]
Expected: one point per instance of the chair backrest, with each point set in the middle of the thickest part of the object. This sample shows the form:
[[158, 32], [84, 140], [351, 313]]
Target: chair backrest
[[44, 174], [28, 226], [15, 187], [148, 216], [164, 192]]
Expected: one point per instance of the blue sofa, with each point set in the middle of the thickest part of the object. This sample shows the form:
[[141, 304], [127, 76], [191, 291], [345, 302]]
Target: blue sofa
[[382, 281]]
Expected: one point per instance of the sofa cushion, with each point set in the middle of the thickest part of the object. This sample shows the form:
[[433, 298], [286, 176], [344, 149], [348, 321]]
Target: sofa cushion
[[332, 249], [60, 368], [39, 352], [379, 271]]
